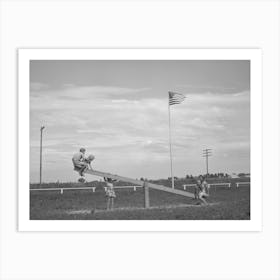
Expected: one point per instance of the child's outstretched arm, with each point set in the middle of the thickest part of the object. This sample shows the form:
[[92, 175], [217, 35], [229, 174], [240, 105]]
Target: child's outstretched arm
[[89, 166]]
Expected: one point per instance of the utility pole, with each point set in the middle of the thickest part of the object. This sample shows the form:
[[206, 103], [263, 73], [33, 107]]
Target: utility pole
[[206, 154], [41, 140]]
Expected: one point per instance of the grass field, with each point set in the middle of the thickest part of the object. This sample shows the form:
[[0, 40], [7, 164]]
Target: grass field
[[224, 204]]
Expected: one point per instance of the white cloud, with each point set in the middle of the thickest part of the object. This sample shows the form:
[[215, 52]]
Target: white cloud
[[132, 134], [69, 91]]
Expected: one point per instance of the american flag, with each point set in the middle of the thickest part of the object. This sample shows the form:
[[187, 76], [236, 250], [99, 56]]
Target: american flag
[[175, 98]]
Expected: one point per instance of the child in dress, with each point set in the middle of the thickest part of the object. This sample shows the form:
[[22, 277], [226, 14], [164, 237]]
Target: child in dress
[[110, 193], [205, 186], [202, 191]]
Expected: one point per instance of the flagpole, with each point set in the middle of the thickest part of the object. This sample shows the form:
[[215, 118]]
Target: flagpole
[[170, 147]]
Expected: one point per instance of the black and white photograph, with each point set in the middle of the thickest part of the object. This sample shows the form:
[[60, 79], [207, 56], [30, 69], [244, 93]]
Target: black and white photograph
[[140, 139]]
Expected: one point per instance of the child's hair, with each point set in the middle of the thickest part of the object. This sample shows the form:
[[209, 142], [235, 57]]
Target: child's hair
[[90, 158], [109, 180]]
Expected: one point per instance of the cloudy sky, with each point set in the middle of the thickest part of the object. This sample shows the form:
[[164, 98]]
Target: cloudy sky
[[118, 111]]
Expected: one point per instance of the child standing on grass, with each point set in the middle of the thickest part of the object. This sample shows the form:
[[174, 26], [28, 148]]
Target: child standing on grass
[[205, 186], [202, 192], [196, 189], [110, 193]]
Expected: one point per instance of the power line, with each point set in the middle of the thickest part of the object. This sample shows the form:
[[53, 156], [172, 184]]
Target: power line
[[207, 153]]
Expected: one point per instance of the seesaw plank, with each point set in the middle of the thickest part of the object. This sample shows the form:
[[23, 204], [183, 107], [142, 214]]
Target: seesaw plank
[[140, 183]]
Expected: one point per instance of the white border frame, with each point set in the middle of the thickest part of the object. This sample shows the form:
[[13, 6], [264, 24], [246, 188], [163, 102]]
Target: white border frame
[[24, 57]]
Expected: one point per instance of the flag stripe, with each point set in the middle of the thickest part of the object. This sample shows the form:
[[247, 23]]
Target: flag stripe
[[175, 100], [178, 97], [173, 103]]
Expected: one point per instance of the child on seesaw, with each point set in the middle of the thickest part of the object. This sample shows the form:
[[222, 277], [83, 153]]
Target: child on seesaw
[[82, 163]]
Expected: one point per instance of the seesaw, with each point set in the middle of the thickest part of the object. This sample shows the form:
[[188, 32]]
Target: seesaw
[[146, 185]]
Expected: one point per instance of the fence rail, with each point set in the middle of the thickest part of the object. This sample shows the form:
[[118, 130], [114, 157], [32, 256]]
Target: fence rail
[[242, 183], [219, 184], [188, 185], [209, 185], [185, 186], [83, 188]]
